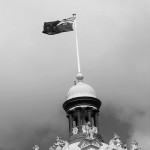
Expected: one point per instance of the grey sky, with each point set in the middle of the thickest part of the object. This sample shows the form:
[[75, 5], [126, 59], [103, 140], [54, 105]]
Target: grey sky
[[37, 70]]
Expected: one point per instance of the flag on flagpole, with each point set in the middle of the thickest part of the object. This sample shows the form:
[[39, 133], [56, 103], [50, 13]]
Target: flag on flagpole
[[59, 26]]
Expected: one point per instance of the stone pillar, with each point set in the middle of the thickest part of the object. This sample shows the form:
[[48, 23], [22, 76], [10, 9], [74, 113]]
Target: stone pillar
[[89, 116], [70, 124], [83, 118], [79, 119], [96, 119]]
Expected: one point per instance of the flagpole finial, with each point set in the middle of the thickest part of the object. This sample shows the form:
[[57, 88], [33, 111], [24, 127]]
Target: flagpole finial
[[79, 77]]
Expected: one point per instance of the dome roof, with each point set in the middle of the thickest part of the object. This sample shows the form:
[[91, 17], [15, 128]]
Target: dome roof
[[81, 89]]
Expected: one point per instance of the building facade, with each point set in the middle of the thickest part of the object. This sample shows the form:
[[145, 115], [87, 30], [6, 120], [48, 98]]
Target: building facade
[[82, 109]]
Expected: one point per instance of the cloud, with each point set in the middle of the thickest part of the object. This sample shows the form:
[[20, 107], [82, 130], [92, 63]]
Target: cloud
[[141, 131], [36, 70], [136, 115]]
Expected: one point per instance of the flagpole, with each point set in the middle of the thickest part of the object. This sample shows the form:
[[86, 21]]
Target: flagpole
[[77, 47]]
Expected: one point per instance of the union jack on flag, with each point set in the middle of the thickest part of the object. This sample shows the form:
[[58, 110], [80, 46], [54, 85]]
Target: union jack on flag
[[59, 26]]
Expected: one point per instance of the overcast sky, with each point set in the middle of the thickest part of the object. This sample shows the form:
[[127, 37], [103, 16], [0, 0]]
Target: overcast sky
[[37, 70]]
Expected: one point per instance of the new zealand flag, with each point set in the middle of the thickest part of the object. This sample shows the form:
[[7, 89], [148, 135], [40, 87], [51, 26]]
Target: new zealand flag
[[58, 26]]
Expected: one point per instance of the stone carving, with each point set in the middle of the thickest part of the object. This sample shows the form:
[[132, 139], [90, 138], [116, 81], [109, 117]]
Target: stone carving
[[76, 148], [75, 130], [58, 148], [135, 146], [115, 142], [89, 130], [51, 148], [104, 147], [35, 147], [125, 147], [95, 129], [66, 146], [59, 144], [83, 129], [91, 133], [86, 128]]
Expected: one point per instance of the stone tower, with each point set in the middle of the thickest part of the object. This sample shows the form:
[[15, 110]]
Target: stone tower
[[82, 108]]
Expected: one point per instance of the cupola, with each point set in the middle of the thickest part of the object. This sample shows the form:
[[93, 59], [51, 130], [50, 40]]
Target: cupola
[[82, 108]]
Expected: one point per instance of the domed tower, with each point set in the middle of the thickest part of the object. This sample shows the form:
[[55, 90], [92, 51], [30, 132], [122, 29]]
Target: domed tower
[[82, 108]]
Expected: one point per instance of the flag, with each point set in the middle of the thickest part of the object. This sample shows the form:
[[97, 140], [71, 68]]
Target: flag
[[58, 26]]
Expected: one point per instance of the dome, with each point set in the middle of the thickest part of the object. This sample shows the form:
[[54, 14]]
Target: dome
[[81, 89]]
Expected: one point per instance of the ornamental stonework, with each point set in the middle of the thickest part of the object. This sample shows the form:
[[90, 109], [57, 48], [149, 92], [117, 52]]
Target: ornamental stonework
[[91, 144]]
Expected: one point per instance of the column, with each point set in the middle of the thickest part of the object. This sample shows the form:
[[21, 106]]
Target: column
[[79, 119], [83, 118], [96, 119], [89, 116], [70, 124]]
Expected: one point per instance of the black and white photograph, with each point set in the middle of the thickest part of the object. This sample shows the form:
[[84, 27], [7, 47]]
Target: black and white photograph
[[74, 74]]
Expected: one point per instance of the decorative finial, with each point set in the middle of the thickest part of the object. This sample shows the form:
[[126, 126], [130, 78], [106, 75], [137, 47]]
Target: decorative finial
[[36, 147], [74, 15], [79, 77], [135, 146]]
